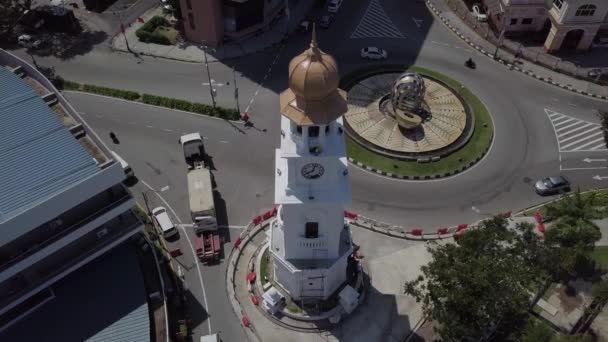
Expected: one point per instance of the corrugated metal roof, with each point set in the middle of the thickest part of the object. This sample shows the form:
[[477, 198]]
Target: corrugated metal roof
[[39, 157], [134, 327]]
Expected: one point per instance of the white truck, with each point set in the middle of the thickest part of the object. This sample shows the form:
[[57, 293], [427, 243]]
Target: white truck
[[194, 150], [202, 206]]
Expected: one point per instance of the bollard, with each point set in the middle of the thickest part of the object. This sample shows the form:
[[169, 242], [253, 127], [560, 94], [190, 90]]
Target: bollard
[[274, 211], [538, 217], [442, 231], [237, 242], [246, 321], [257, 220], [541, 227], [462, 227], [255, 300]]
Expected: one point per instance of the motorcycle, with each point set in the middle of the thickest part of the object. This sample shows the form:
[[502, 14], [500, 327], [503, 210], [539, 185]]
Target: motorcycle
[[470, 63]]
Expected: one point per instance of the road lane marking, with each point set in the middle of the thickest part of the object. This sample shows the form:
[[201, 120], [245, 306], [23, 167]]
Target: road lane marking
[[576, 135], [376, 24], [568, 126], [167, 130], [589, 143], [583, 168], [223, 141], [164, 188], [149, 126], [132, 123], [598, 177], [579, 140], [563, 122], [198, 267]]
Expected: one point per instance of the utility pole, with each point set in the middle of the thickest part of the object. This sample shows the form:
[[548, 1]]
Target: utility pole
[[122, 29], [236, 92], [143, 193], [211, 90]]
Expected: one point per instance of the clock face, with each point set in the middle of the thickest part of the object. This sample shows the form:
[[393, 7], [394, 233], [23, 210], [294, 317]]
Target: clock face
[[312, 170]]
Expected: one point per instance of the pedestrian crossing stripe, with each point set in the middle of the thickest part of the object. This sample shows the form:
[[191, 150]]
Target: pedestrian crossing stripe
[[575, 135], [376, 24]]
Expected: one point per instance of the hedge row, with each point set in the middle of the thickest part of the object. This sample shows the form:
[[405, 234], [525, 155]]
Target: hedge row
[[200, 108], [123, 94], [168, 102]]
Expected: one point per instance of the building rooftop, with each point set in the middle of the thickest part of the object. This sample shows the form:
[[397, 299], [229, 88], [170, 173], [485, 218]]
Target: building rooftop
[[39, 156]]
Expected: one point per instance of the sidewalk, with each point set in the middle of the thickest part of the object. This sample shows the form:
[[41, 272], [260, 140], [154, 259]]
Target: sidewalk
[[190, 52], [455, 22]]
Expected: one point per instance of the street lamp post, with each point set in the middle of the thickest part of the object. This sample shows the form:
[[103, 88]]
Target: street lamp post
[[502, 30], [122, 29], [211, 90], [236, 91]]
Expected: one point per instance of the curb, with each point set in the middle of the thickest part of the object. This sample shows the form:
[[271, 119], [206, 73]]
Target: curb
[[426, 177], [504, 62]]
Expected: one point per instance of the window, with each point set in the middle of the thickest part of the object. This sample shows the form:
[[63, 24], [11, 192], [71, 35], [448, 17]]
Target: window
[[326, 129], [527, 21], [189, 4], [558, 3], [312, 230], [513, 21], [313, 131], [299, 130], [585, 11], [191, 20]]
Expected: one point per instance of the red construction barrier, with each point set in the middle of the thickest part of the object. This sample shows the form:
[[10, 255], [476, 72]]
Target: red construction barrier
[[350, 215], [237, 242], [541, 227], [462, 227], [257, 220], [246, 321], [274, 211], [442, 231], [267, 215], [416, 231], [538, 217], [251, 277], [255, 300]]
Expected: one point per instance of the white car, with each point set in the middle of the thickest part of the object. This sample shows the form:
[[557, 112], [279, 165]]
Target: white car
[[164, 222], [28, 41], [477, 13], [372, 52], [334, 6]]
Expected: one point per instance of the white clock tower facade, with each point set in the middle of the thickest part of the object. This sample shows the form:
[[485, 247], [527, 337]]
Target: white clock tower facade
[[310, 242]]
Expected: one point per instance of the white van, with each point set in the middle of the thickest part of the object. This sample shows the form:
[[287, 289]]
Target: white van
[[125, 166], [164, 222], [210, 338]]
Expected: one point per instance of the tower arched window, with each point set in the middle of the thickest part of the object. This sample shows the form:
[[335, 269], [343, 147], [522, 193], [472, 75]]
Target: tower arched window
[[313, 131], [585, 11], [558, 3], [311, 230]]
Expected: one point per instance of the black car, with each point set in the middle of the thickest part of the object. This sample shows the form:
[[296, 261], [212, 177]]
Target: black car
[[326, 20], [552, 185]]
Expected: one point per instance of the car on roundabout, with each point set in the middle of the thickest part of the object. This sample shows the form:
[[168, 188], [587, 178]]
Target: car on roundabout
[[326, 20], [552, 185], [372, 52]]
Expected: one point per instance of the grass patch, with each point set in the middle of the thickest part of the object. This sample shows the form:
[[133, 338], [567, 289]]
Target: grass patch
[[600, 256], [264, 267], [292, 307], [472, 151], [601, 199]]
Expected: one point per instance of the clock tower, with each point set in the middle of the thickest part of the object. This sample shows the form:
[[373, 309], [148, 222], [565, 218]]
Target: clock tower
[[310, 241]]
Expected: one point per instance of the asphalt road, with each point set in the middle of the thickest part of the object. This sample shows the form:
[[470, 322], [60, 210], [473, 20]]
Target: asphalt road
[[525, 145]]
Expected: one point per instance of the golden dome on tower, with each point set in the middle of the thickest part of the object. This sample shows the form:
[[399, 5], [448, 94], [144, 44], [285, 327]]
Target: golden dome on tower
[[313, 96]]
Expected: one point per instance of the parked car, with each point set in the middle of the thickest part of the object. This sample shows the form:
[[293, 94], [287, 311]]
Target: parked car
[[478, 13], [334, 6], [326, 20], [167, 227], [552, 185], [597, 73], [372, 52]]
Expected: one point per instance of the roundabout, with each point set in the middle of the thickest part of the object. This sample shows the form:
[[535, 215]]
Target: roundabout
[[418, 123]]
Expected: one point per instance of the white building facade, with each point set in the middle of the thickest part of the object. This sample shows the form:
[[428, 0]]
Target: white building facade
[[310, 241]]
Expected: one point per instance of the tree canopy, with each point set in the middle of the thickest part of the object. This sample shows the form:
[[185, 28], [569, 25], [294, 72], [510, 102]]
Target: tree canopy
[[11, 11], [478, 286]]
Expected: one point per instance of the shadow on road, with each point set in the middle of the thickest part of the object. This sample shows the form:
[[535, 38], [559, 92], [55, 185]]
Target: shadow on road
[[196, 312]]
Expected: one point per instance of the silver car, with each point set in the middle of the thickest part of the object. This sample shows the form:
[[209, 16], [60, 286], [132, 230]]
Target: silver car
[[552, 185]]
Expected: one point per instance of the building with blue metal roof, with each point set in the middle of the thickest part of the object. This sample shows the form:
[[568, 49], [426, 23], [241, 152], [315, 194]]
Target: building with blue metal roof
[[62, 198]]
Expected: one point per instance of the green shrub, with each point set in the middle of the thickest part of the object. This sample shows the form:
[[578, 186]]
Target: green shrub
[[69, 85], [202, 108], [146, 33], [119, 93]]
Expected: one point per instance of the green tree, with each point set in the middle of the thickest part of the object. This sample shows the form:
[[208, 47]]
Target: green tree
[[572, 338], [476, 287], [604, 121], [573, 234], [535, 331], [10, 12], [600, 291]]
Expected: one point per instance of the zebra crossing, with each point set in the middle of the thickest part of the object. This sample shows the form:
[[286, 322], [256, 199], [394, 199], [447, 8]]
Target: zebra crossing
[[575, 135], [376, 24]]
